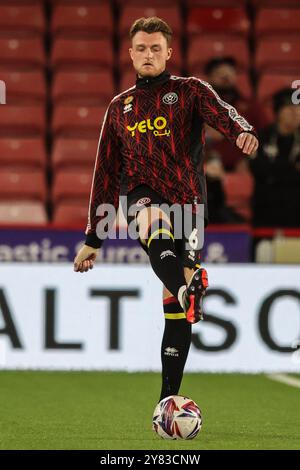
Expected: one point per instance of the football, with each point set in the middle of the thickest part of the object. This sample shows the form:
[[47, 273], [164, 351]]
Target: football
[[177, 417]]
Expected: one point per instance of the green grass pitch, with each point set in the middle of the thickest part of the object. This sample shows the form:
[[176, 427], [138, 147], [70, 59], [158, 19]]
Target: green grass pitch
[[113, 410]]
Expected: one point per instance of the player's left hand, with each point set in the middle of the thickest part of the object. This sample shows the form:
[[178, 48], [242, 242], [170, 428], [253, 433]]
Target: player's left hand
[[248, 143]]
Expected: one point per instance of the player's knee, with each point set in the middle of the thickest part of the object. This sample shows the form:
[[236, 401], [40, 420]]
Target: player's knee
[[153, 220]]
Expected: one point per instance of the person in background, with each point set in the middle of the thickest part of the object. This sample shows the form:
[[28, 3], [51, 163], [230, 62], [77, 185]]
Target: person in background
[[222, 74], [276, 167]]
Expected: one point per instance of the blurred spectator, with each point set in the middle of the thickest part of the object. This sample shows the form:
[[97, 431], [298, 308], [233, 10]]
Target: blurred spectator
[[222, 74], [219, 212], [276, 167]]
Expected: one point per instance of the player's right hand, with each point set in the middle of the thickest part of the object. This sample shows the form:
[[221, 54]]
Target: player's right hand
[[85, 259]]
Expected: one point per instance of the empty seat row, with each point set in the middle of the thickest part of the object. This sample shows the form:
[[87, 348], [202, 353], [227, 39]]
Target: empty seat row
[[26, 212], [272, 51], [70, 195], [69, 87], [96, 54], [30, 121]]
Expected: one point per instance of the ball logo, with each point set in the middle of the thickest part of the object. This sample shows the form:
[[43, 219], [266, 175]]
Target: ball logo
[[143, 201], [170, 98]]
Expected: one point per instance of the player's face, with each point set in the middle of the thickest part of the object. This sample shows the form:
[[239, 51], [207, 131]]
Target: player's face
[[288, 117], [223, 76], [149, 53]]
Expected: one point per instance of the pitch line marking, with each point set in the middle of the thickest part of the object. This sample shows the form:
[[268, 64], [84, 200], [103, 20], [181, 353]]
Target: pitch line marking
[[285, 379]]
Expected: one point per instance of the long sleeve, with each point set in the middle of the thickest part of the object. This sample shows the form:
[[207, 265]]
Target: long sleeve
[[106, 182], [219, 114]]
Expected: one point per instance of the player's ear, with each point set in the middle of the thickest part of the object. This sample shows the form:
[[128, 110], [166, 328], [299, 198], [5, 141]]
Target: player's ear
[[170, 50], [130, 52]]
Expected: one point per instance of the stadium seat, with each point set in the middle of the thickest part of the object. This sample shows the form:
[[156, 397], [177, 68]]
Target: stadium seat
[[127, 80], [269, 83], [91, 88], [86, 54], [238, 189], [72, 185], [217, 20], [72, 121], [71, 213], [275, 52], [148, 3], [277, 20], [22, 19], [216, 3], [72, 152], [174, 64], [19, 87], [22, 184], [130, 13], [275, 3], [18, 121], [83, 18], [22, 213], [22, 153], [202, 48], [21, 53]]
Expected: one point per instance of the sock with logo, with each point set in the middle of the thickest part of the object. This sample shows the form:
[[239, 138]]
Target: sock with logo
[[163, 258], [175, 347]]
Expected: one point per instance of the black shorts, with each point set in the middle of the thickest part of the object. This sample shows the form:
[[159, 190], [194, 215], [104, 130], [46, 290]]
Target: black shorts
[[188, 247]]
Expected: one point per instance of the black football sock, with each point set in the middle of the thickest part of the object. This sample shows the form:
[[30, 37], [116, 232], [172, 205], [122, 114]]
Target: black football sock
[[163, 258], [175, 347]]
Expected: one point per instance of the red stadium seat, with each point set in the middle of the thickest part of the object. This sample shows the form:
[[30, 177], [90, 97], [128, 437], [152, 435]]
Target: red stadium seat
[[275, 3], [217, 20], [239, 189], [85, 54], [74, 152], [130, 13], [277, 20], [71, 213], [22, 152], [21, 53], [22, 184], [148, 3], [22, 213], [128, 79], [174, 64], [72, 121], [91, 88], [19, 87], [203, 48], [72, 185], [22, 19], [82, 18], [217, 3], [269, 83], [18, 121], [276, 52]]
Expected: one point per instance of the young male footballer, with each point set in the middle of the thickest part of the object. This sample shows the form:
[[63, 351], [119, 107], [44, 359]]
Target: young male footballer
[[151, 149]]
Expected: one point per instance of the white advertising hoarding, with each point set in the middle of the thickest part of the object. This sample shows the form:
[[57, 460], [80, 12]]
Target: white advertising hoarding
[[112, 318]]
